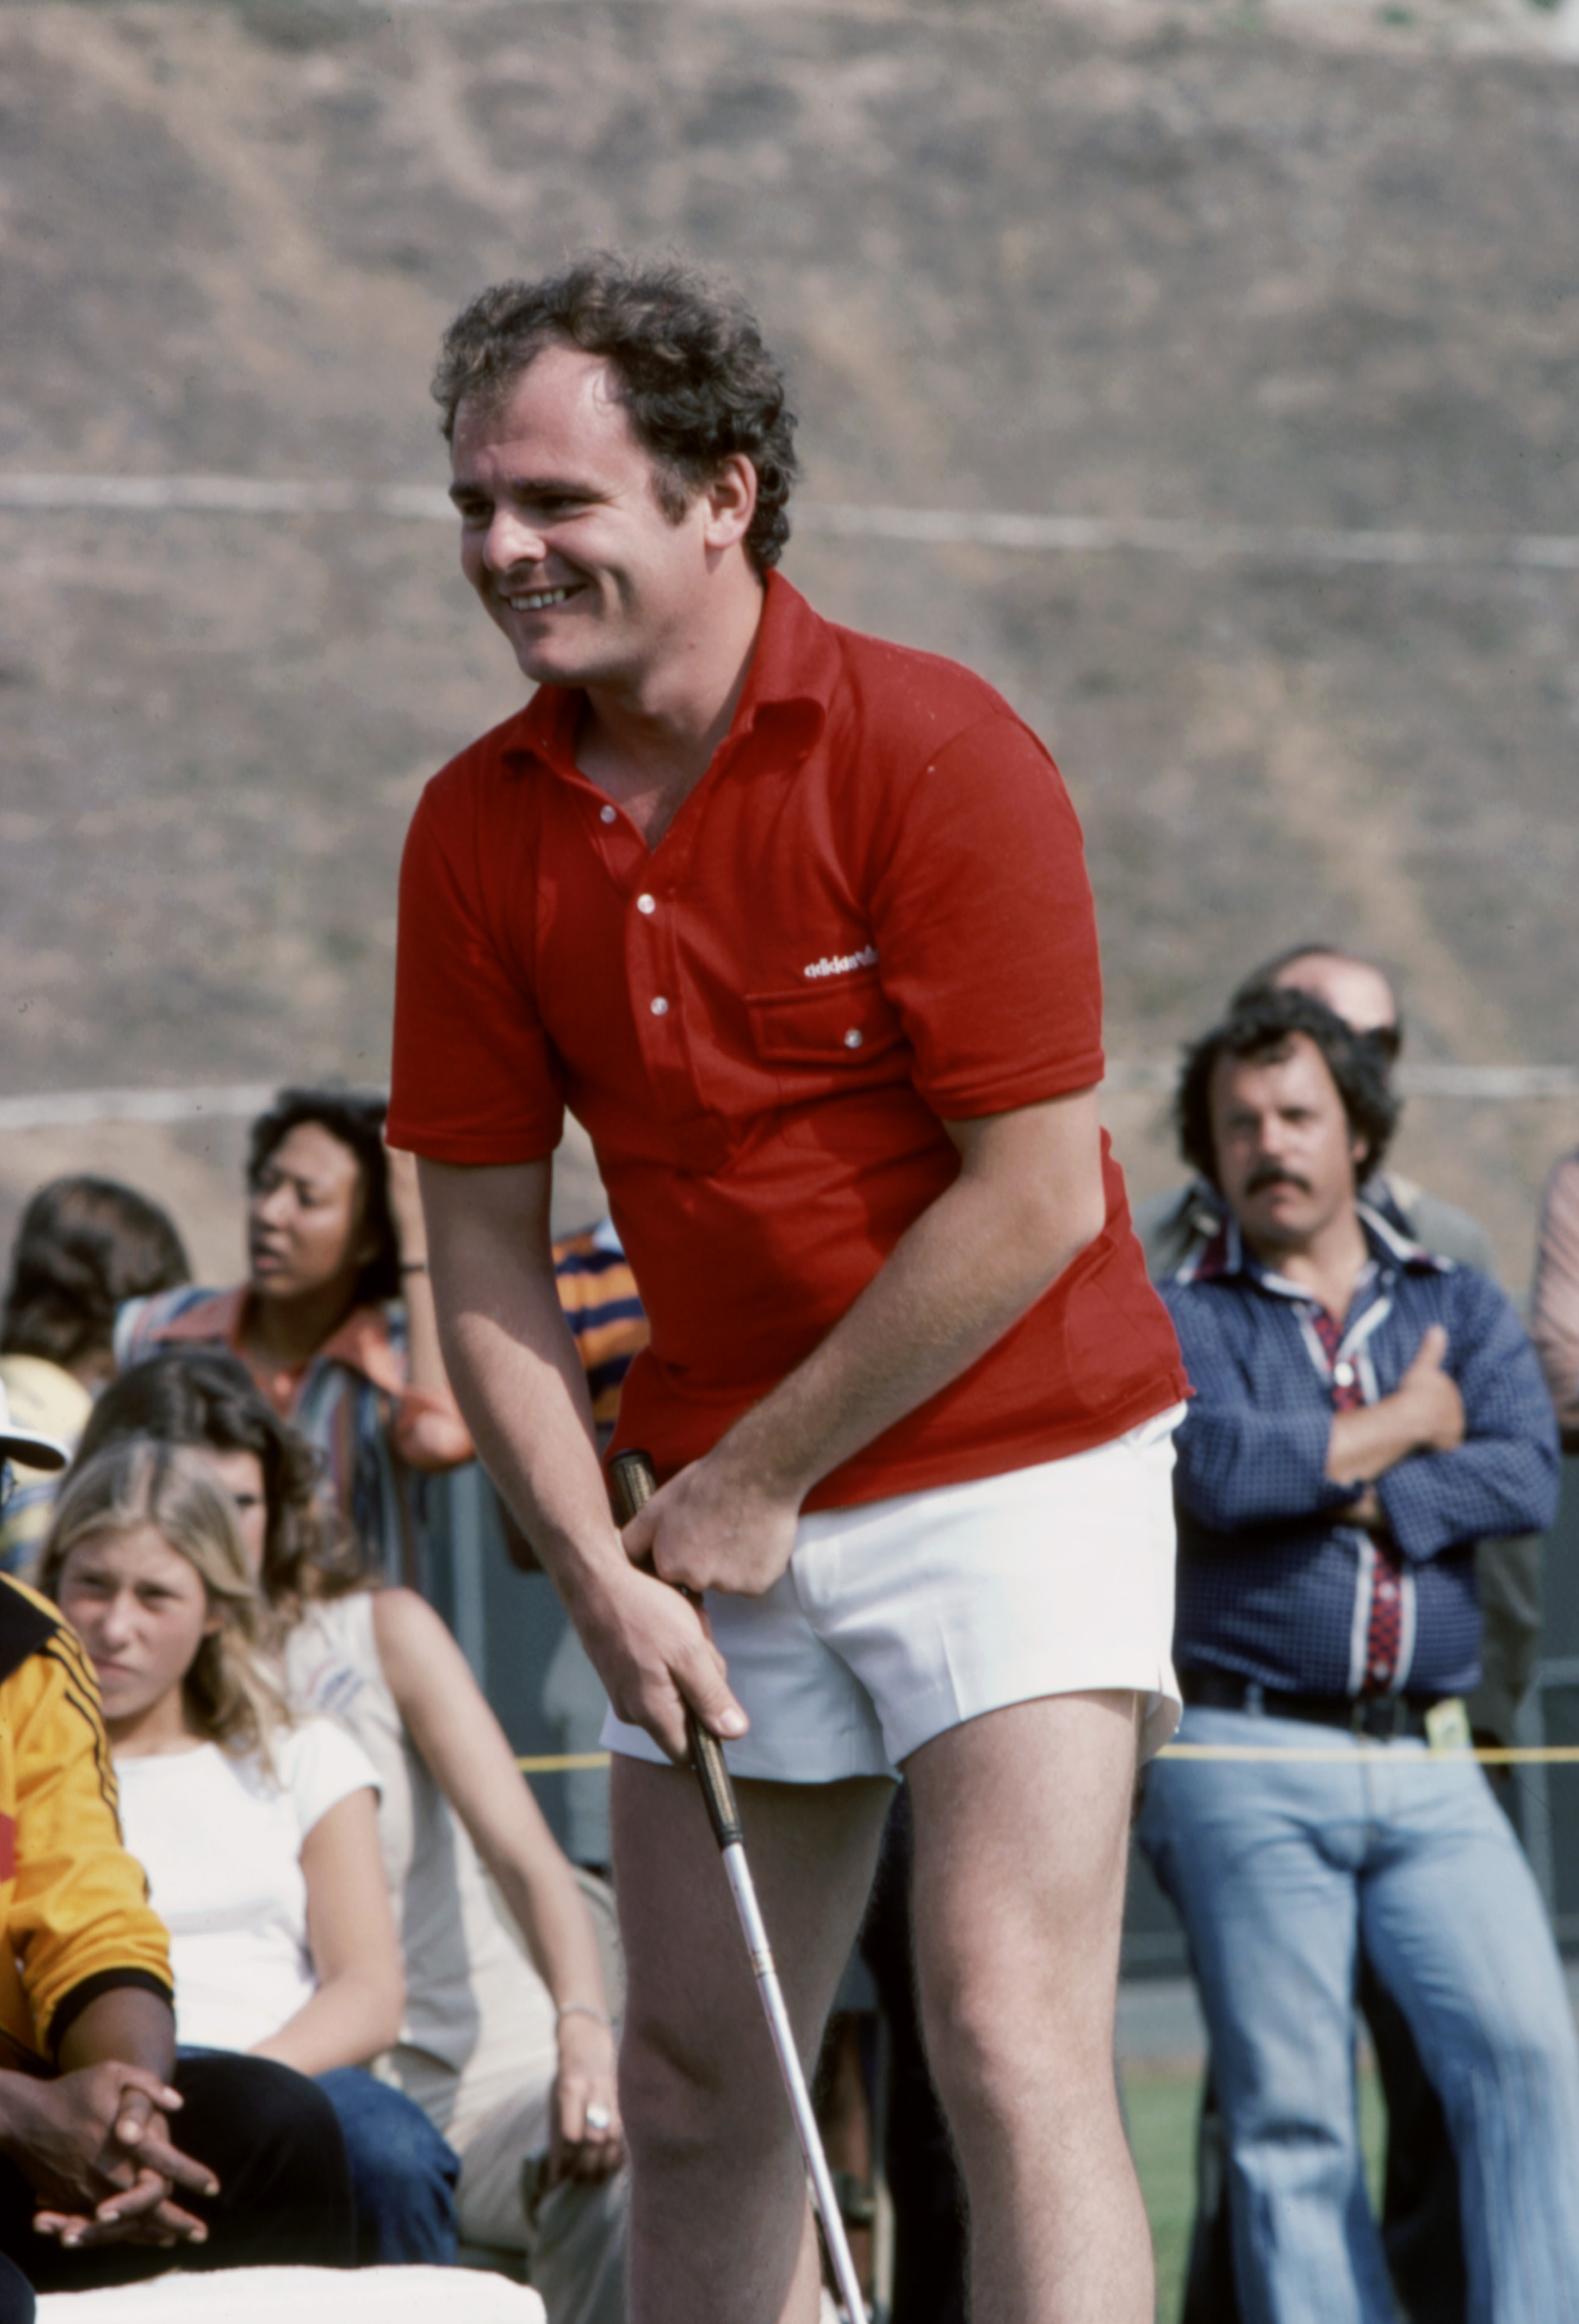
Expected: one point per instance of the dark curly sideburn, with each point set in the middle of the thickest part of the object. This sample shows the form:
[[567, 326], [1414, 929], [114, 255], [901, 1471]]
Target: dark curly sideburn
[[697, 381], [1261, 1027]]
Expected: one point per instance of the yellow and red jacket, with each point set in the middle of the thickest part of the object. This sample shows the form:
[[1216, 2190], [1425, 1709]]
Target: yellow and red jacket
[[77, 1920]]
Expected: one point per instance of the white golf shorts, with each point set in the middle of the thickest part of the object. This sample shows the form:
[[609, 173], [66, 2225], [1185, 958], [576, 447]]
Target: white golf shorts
[[898, 1620]]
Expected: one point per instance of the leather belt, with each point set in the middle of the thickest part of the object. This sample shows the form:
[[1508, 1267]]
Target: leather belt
[[1384, 1718]]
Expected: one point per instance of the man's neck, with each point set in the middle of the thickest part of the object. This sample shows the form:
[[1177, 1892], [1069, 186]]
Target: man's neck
[[648, 745], [1328, 1262]]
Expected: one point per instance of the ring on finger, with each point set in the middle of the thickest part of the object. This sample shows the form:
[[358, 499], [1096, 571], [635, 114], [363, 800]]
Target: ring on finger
[[598, 2117]]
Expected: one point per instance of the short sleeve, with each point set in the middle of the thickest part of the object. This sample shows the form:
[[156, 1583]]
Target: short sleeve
[[984, 925], [319, 1765], [475, 1080]]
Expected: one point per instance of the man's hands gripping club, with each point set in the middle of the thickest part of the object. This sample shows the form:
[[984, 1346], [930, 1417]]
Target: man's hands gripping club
[[705, 1529]]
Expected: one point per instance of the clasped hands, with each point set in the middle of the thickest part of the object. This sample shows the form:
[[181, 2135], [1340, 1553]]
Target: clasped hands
[[95, 2147]]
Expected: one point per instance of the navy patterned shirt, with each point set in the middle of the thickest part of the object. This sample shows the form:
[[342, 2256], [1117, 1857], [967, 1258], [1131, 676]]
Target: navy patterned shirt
[[1274, 1584]]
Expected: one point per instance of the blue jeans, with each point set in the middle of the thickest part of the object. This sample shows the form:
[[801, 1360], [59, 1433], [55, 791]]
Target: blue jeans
[[1276, 1869], [403, 2172]]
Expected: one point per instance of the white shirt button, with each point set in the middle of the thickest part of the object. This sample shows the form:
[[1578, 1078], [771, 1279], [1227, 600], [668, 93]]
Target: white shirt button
[[1343, 1374], [646, 904], [852, 1039], [605, 815], [660, 1007]]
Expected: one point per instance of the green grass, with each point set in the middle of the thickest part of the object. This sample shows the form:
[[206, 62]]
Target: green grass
[[1162, 2107]]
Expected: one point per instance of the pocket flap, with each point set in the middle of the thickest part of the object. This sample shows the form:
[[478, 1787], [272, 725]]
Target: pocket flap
[[844, 1023]]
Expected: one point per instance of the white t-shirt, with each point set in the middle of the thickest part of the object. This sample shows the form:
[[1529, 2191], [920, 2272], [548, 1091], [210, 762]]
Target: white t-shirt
[[479, 2024], [221, 1840]]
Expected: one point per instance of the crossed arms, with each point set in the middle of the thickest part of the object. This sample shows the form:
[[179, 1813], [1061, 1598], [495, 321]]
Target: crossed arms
[[1462, 1448]]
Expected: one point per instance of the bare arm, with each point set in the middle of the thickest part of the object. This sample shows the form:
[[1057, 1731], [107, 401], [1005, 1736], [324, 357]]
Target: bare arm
[[435, 1439], [1027, 1199], [472, 1762], [351, 1934], [521, 1386]]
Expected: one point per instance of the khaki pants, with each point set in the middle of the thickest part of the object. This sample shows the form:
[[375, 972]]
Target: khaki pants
[[573, 2236]]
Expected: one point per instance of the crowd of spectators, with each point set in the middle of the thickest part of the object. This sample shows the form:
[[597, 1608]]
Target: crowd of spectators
[[307, 1860], [364, 2008]]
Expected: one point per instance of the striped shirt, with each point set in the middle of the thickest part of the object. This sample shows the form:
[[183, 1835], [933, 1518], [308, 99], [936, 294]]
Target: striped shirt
[[602, 1306], [352, 1402], [1275, 1583]]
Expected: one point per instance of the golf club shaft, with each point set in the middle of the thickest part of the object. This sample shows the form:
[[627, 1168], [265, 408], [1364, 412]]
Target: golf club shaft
[[632, 1483]]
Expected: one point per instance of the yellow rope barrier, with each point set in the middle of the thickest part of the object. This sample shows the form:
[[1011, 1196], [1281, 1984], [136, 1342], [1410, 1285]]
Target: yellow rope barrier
[[1543, 1755], [563, 1763]]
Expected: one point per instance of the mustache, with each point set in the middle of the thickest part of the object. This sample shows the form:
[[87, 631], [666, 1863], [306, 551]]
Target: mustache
[[1272, 1174]]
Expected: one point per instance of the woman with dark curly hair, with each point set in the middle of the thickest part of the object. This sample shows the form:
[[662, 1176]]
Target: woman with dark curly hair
[[335, 1321]]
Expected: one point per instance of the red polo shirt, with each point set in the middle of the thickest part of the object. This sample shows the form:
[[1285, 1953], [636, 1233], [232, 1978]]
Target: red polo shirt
[[870, 916]]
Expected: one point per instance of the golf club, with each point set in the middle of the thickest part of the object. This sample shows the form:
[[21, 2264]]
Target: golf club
[[632, 1482]]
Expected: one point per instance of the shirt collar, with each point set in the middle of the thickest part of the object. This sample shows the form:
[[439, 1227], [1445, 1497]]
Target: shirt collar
[[795, 665], [1227, 1255], [218, 1317], [362, 1342]]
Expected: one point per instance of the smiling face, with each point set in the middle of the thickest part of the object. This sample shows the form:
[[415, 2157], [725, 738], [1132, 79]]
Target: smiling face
[[1286, 1156], [563, 539], [305, 1230], [142, 1612]]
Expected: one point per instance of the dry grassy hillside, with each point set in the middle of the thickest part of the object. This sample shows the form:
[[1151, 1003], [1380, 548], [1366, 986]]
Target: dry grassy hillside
[[1314, 268]]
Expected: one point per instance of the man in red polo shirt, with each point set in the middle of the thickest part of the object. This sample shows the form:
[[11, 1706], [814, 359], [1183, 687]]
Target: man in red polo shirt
[[796, 923]]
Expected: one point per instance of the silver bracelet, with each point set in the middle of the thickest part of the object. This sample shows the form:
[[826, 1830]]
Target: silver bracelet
[[581, 2009]]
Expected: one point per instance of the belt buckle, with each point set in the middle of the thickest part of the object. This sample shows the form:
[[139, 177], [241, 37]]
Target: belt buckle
[[1382, 1717]]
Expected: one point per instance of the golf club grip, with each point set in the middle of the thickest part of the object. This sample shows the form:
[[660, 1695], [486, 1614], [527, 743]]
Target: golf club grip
[[632, 1483]]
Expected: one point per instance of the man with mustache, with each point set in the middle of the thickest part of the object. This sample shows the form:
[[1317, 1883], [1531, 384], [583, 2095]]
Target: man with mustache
[[1420, 2208], [1172, 1224], [1364, 1412]]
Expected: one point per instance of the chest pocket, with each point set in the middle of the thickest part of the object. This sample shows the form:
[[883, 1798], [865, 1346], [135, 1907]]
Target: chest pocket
[[836, 1028]]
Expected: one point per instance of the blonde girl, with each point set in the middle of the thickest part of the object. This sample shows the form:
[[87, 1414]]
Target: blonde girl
[[258, 1834]]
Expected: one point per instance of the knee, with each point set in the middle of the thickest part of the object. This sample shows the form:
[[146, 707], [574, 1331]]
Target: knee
[[680, 2098], [670, 2091], [387, 2135], [273, 2109], [1003, 2052], [1512, 2053]]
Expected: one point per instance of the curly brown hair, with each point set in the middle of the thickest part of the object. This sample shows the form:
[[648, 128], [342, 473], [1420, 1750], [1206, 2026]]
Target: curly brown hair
[[695, 378], [1263, 1025]]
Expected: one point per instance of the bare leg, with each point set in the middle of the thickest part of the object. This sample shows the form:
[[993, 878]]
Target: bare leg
[[1022, 1821], [720, 2229]]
